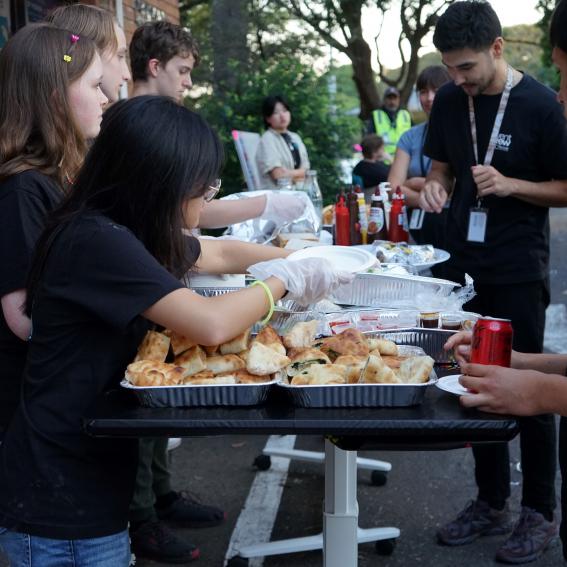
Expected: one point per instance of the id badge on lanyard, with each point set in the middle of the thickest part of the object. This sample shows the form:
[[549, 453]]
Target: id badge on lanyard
[[478, 216]]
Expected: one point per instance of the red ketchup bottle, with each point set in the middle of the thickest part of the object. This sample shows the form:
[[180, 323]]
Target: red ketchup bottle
[[342, 223], [398, 228]]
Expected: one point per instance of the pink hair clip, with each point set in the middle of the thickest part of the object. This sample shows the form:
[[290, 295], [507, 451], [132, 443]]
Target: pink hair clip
[[74, 38]]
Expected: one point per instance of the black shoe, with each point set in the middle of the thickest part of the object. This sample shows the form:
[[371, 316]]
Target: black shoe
[[185, 511], [154, 540]]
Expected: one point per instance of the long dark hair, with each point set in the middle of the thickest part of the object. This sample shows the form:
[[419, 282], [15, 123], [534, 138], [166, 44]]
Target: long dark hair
[[37, 129], [150, 157]]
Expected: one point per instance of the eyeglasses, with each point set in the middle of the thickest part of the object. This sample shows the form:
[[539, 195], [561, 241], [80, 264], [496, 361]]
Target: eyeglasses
[[212, 191]]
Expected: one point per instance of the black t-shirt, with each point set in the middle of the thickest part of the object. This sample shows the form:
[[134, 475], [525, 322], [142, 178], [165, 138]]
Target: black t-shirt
[[372, 173], [532, 146], [56, 481], [25, 199]]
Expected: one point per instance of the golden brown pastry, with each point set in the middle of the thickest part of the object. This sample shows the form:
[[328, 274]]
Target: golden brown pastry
[[179, 343], [388, 348], [242, 376], [350, 341], [354, 366], [304, 357], [301, 335], [263, 360], [192, 360], [224, 364], [416, 369], [153, 373], [210, 350], [236, 345], [154, 346], [376, 372], [319, 375], [268, 337], [204, 374], [214, 381]]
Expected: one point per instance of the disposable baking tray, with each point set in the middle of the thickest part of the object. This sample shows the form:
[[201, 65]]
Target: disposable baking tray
[[360, 395], [206, 395], [380, 290], [430, 340]]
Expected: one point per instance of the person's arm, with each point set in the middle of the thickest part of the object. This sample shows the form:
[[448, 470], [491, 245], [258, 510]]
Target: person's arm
[[17, 321], [510, 391], [218, 214], [398, 178], [234, 257], [490, 181], [279, 172], [213, 320], [437, 187]]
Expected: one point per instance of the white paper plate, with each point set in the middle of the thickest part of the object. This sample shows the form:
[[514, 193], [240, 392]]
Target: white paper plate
[[345, 258], [452, 385], [439, 257]]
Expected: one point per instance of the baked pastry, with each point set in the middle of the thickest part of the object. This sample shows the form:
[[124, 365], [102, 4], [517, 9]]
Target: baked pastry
[[179, 343], [192, 360], [376, 372], [416, 369], [268, 337], [210, 350], [224, 364], [385, 346], [263, 360], [237, 344], [153, 373], [320, 374], [353, 365], [350, 341], [214, 381], [302, 358], [154, 346], [301, 335], [204, 374], [242, 376]]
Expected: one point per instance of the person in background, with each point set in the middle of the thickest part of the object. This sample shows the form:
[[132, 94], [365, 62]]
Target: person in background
[[162, 56], [42, 146], [498, 141], [411, 166], [536, 383], [390, 121], [281, 153], [99, 26], [103, 272], [371, 169]]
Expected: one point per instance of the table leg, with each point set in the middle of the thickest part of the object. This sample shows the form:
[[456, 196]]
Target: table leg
[[340, 518]]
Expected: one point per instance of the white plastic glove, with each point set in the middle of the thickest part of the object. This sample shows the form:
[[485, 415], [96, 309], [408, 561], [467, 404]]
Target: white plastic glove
[[307, 281], [283, 207]]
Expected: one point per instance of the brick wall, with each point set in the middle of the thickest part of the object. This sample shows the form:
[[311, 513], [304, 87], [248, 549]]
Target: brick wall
[[137, 10]]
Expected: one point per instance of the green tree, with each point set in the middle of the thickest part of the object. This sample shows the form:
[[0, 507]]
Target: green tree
[[328, 138], [546, 7]]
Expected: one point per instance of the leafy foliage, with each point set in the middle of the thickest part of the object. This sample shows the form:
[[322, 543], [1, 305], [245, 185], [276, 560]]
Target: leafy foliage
[[328, 138]]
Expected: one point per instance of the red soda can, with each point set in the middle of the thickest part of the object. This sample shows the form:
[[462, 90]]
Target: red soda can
[[492, 342]]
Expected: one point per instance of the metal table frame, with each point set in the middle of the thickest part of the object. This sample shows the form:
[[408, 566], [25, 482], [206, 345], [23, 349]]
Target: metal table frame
[[438, 423]]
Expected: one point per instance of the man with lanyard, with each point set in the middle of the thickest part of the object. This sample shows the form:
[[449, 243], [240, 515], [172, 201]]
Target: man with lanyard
[[391, 121], [498, 141]]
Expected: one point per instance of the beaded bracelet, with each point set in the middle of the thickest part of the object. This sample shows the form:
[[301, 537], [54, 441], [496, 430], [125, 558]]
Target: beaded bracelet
[[270, 299]]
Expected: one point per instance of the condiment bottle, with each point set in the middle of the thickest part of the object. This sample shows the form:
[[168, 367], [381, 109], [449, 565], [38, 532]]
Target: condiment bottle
[[398, 228], [362, 218], [352, 205], [342, 223], [377, 219]]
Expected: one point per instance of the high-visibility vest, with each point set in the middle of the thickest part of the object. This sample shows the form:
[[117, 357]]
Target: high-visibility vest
[[388, 132]]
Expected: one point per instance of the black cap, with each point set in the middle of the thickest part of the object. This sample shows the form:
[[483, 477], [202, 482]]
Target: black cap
[[391, 91]]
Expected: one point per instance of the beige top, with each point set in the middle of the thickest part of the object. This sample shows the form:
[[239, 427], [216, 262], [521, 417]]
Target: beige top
[[273, 152]]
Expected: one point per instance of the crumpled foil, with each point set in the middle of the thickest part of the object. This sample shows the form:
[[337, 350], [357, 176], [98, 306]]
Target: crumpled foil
[[403, 253], [263, 231]]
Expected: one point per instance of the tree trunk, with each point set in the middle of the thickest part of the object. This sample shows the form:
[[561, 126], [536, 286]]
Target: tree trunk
[[363, 76], [229, 28]]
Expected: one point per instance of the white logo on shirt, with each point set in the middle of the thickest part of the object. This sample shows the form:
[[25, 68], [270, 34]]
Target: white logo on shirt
[[504, 142]]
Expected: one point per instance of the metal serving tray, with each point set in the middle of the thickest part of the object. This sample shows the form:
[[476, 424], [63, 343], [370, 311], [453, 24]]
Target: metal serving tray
[[360, 395], [380, 290], [430, 340], [206, 395]]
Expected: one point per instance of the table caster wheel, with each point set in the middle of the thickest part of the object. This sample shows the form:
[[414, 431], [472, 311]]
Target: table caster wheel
[[378, 478], [385, 546], [237, 562], [263, 462]]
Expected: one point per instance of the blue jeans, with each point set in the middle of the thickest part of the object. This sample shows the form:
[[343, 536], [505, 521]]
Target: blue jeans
[[24, 550]]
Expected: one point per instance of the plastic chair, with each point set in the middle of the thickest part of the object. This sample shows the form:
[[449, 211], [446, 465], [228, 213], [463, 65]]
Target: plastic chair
[[246, 144]]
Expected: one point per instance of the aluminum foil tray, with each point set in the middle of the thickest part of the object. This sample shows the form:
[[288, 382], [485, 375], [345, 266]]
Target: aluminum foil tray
[[215, 291], [207, 395], [360, 395], [430, 340], [380, 290]]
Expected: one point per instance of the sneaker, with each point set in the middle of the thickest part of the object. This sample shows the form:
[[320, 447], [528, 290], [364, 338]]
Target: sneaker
[[476, 520], [154, 540], [530, 538], [173, 443], [186, 511]]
